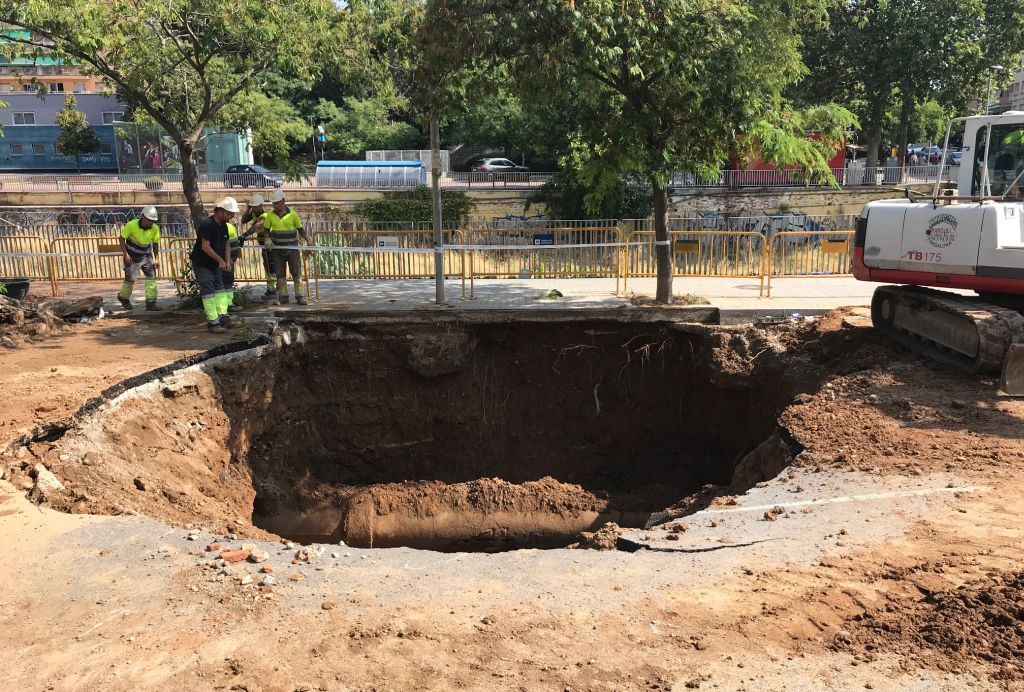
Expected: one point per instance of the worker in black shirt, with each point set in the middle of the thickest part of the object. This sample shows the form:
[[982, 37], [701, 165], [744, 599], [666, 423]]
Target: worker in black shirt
[[210, 256]]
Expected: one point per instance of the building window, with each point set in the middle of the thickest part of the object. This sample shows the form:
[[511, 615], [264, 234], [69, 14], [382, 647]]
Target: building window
[[24, 118], [38, 149], [79, 88], [29, 87], [56, 87], [6, 87], [106, 149], [16, 150], [110, 116]]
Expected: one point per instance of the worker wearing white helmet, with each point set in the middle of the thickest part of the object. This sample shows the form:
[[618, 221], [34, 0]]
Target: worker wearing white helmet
[[255, 218], [140, 249], [211, 255], [284, 229]]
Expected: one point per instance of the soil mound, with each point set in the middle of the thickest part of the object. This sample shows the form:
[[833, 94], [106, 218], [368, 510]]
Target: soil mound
[[952, 630]]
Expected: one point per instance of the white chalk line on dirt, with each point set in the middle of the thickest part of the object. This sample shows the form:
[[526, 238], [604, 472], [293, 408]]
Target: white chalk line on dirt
[[101, 623], [853, 498]]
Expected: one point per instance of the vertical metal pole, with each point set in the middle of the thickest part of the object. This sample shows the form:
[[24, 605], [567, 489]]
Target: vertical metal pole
[[435, 166]]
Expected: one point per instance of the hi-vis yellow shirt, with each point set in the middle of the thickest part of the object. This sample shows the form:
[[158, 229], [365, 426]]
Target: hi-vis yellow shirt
[[284, 230], [139, 240]]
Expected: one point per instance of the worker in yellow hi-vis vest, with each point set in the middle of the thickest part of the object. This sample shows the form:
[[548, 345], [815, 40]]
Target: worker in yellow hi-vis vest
[[283, 230], [254, 219], [140, 248]]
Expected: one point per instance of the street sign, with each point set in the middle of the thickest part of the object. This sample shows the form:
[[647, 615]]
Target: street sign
[[387, 241], [543, 238]]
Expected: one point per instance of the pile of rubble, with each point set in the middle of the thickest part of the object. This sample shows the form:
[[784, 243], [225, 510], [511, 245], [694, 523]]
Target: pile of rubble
[[38, 319]]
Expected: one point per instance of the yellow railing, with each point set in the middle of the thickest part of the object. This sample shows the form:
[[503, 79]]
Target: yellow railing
[[17, 267], [732, 254], [604, 252], [809, 254], [93, 258], [248, 268], [514, 253]]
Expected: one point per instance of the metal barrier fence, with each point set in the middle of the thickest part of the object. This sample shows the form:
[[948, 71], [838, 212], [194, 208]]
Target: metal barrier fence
[[470, 254], [711, 254], [391, 261], [575, 253], [803, 254], [15, 264], [94, 258]]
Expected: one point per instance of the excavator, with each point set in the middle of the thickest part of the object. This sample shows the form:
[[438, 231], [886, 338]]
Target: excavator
[[966, 242]]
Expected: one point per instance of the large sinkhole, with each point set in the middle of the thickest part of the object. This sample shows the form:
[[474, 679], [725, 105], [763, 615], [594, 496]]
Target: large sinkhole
[[470, 433]]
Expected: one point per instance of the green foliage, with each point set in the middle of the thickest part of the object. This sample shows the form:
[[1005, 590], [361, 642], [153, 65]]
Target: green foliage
[[364, 124], [76, 135], [566, 197], [887, 58], [277, 128], [929, 122], [180, 61], [414, 206]]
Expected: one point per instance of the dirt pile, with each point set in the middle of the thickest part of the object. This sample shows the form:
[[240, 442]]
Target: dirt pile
[[37, 319], [605, 538], [951, 630], [485, 515]]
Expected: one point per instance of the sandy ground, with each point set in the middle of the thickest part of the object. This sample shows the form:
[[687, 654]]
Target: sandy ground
[[908, 489]]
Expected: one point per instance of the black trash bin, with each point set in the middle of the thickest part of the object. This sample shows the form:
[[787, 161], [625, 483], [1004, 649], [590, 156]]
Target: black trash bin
[[17, 289]]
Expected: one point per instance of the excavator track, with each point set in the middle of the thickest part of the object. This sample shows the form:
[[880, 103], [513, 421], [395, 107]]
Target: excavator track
[[964, 332]]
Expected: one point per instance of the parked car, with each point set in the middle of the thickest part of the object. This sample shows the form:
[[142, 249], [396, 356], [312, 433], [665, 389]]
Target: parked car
[[252, 176], [499, 166], [954, 157]]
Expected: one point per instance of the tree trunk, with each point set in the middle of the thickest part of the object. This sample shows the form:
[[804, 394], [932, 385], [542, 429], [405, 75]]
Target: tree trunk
[[190, 182], [78, 163], [906, 110], [663, 246]]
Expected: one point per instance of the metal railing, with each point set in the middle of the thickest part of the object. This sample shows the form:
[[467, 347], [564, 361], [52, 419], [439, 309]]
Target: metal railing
[[809, 255], [711, 254], [343, 250], [851, 176]]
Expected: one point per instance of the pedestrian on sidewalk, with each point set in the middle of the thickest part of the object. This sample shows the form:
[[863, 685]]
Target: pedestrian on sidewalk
[[211, 256], [140, 249], [254, 219], [284, 228]]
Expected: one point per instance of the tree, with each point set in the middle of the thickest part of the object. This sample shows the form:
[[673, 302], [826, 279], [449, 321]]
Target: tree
[[180, 61], [277, 128], [364, 124], [76, 134], [886, 58], [663, 85]]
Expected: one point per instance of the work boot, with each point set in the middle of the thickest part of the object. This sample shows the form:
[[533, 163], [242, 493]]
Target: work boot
[[234, 308], [151, 306], [126, 303], [217, 328], [229, 323], [282, 298], [269, 294], [301, 300]]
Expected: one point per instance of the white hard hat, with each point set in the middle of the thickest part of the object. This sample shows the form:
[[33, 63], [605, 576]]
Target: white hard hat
[[150, 213], [256, 200], [228, 204], [276, 196]]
